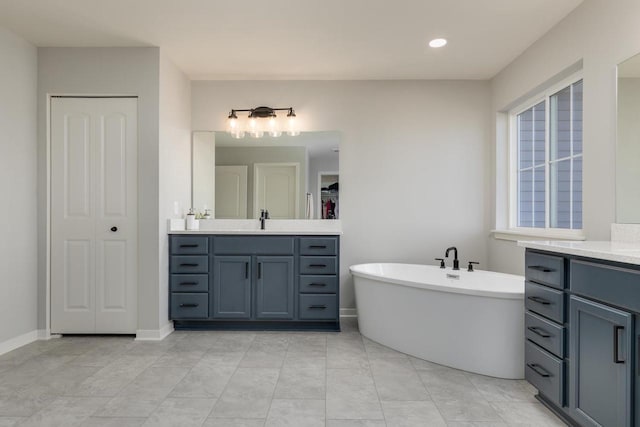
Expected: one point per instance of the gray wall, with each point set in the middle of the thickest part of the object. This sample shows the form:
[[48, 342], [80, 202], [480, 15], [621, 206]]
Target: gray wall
[[232, 156], [18, 176], [413, 160], [109, 71], [601, 34]]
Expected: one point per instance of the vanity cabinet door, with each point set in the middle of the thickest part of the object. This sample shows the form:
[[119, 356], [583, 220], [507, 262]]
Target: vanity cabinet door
[[231, 296], [274, 287], [601, 368]]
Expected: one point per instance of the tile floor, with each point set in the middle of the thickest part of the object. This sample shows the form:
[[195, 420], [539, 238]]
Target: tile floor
[[247, 379]]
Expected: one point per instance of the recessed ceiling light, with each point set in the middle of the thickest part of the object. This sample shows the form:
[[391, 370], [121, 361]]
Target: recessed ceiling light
[[438, 42]]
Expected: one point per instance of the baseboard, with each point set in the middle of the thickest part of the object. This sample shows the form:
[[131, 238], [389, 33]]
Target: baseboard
[[154, 334], [348, 312], [19, 341], [45, 335]]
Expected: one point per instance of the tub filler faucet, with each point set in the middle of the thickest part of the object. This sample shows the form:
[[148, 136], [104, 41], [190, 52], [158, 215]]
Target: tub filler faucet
[[456, 263]]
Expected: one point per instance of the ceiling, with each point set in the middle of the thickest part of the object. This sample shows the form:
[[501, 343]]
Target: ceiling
[[300, 39]]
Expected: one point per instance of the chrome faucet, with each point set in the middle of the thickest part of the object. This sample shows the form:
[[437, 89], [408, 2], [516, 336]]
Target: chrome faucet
[[456, 263], [264, 215]]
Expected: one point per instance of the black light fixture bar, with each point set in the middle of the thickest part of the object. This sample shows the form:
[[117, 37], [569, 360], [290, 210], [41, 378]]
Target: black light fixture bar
[[261, 112]]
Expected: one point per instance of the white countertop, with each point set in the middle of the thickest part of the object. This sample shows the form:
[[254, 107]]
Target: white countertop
[[625, 252], [278, 227]]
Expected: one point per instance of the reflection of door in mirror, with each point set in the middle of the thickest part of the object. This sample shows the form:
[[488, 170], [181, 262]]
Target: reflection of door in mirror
[[203, 161], [329, 191], [277, 189], [231, 192]]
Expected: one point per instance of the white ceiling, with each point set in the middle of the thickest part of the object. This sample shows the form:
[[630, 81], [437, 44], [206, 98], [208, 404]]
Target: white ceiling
[[300, 39]]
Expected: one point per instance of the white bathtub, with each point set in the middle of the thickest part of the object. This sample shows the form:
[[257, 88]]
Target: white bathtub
[[474, 322]]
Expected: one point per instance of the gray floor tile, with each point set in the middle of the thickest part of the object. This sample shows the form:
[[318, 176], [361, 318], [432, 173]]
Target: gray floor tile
[[204, 380], [501, 390], [113, 422], [179, 357], [293, 360], [467, 410], [155, 382], [66, 412], [356, 423], [21, 406], [526, 414], [114, 377], [232, 342], [233, 422], [248, 394], [10, 421], [181, 412], [449, 384], [301, 383], [379, 351], [412, 414], [351, 394], [296, 413], [396, 379], [476, 424]]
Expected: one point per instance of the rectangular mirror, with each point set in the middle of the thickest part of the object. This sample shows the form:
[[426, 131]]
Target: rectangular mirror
[[628, 142], [293, 177]]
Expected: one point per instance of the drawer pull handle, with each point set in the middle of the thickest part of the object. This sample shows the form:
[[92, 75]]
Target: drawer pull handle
[[539, 300], [318, 247], [541, 268], [189, 246], [189, 305], [317, 265], [259, 270], [188, 264], [318, 284], [616, 343], [246, 270], [318, 307], [188, 283], [539, 370], [539, 331]]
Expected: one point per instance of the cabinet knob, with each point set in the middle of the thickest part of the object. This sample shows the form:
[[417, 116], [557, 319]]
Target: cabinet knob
[[114, 229]]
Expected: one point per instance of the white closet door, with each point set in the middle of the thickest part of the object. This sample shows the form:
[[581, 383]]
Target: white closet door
[[93, 215], [276, 189]]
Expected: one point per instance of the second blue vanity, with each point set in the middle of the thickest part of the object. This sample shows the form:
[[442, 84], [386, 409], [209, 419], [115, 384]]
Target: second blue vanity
[[277, 282]]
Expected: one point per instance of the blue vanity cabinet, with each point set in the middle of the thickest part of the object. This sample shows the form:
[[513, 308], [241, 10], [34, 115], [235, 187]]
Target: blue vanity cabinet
[[274, 287], [231, 296], [601, 372], [282, 282], [582, 343]]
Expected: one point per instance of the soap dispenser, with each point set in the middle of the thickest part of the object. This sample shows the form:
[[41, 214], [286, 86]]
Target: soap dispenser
[[192, 222], [207, 214]]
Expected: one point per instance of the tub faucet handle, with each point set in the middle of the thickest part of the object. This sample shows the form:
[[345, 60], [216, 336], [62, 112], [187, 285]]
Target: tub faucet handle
[[471, 265], [441, 262]]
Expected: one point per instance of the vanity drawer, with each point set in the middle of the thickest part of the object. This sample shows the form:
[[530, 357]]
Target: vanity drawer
[[245, 245], [189, 283], [545, 301], [545, 372], [318, 246], [318, 307], [189, 245], [189, 306], [318, 265], [189, 264], [546, 334], [545, 269], [614, 285], [319, 284]]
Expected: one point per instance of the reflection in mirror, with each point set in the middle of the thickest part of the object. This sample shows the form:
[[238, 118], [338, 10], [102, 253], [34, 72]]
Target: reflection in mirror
[[293, 177], [628, 142]]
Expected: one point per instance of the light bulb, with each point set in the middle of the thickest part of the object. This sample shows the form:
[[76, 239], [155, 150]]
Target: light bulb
[[292, 128], [274, 131], [438, 43], [257, 133], [238, 134]]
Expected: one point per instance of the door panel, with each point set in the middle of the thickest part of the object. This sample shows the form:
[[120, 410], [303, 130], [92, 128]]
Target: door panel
[[274, 287], [601, 341], [231, 192], [231, 296], [94, 200], [276, 188]]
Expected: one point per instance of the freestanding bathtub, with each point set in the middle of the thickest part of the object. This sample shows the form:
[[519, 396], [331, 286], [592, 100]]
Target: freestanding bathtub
[[472, 321]]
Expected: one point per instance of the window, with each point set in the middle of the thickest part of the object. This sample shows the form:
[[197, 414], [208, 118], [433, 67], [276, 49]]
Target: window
[[547, 160]]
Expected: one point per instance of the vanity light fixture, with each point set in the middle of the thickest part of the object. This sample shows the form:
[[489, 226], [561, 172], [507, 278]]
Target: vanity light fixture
[[261, 120], [438, 43]]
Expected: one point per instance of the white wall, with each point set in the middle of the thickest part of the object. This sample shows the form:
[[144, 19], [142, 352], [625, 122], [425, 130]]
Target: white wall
[[602, 34], [175, 162], [413, 175], [18, 178], [109, 71]]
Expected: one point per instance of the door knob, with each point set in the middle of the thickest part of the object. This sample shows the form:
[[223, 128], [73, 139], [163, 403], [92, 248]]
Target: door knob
[[114, 229]]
